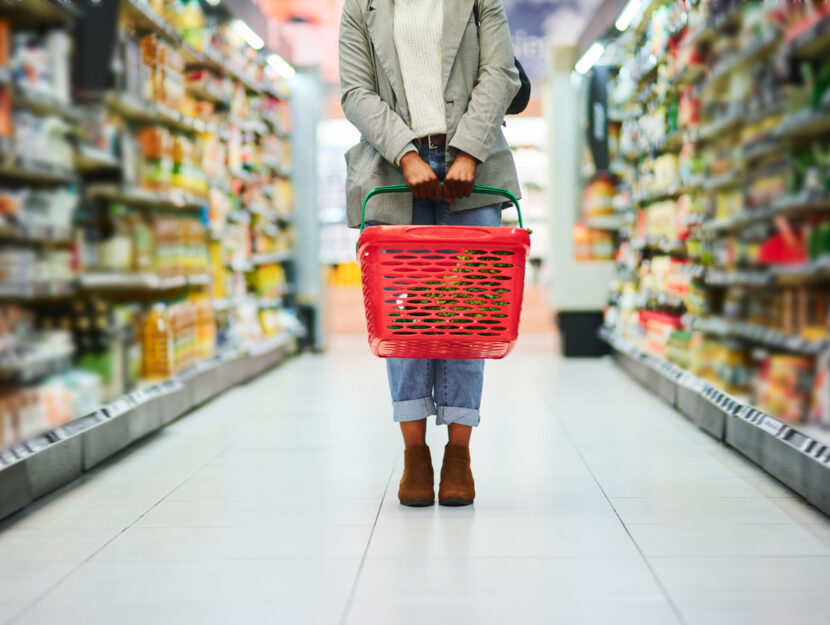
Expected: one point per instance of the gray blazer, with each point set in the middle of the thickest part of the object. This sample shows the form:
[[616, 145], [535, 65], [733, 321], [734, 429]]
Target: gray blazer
[[480, 80]]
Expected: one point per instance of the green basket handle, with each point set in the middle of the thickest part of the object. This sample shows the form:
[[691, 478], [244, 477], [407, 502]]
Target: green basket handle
[[402, 188]]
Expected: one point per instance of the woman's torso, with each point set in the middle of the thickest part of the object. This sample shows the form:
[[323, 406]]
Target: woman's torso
[[460, 56]]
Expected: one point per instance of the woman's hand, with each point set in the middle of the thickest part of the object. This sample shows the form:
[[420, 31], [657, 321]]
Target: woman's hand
[[420, 178], [461, 177]]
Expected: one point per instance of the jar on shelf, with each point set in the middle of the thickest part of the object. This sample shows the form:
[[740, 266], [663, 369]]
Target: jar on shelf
[[598, 197]]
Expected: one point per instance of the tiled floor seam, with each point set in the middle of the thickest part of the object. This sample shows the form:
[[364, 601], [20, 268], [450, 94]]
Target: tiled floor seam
[[758, 496], [42, 595], [353, 590], [672, 604]]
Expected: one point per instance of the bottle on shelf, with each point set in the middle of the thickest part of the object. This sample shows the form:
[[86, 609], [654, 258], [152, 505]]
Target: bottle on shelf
[[158, 344]]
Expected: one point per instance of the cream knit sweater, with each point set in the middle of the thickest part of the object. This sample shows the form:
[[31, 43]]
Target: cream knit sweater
[[419, 26]]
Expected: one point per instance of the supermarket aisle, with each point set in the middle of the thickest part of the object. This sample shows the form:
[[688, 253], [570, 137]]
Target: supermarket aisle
[[276, 504]]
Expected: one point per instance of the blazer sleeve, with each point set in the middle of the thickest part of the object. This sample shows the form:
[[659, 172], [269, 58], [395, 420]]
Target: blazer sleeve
[[498, 83], [378, 123]]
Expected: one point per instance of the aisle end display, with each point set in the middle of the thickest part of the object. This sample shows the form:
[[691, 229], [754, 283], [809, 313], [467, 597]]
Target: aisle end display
[[579, 282]]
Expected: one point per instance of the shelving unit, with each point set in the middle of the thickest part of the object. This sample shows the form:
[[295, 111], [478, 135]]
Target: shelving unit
[[723, 190], [165, 185], [35, 13]]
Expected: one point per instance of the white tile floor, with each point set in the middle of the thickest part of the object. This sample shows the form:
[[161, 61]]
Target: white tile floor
[[276, 503]]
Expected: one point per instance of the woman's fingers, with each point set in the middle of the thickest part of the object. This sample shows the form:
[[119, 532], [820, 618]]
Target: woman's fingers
[[455, 188], [461, 177], [436, 190], [459, 183], [450, 192], [426, 189], [463, 186], [419, 177], [430, 187]]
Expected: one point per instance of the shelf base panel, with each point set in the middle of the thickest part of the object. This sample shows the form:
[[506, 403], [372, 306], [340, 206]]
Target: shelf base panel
[[799, 461], [55, 466], [64, 454]]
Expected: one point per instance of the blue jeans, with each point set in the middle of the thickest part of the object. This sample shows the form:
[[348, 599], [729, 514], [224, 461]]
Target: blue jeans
[[447, 388]]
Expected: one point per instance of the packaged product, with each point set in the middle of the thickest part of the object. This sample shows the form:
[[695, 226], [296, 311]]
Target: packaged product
[[205, 329], [820, 398], [783, 386], [582, 242], [158, 344]]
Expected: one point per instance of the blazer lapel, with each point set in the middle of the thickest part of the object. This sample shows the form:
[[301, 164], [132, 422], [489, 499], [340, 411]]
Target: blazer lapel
[[380, 21], [456, 15]]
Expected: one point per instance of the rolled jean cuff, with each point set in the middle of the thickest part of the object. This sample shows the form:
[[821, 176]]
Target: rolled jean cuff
[[412, 409], [455, 414]]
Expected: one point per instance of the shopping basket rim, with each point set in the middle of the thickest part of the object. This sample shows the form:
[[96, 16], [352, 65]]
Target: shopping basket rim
[[499, 235]]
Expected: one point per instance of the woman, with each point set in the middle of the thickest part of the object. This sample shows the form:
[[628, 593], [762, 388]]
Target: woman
[[427, 83]]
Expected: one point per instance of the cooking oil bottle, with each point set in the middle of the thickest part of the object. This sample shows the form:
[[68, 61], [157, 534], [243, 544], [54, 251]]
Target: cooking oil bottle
[[205, 329], [158, 345]]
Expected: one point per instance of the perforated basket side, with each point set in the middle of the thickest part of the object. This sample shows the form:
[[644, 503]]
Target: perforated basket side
[[445, 296]]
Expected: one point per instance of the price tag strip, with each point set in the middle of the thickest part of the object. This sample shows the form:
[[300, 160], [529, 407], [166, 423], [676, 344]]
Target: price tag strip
[[269, 345], [164, 388], [7, 457], [771, 425], [39, 443], [125, 404]]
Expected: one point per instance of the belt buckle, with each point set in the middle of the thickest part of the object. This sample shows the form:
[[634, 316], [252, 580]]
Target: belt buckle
[[429, 142]]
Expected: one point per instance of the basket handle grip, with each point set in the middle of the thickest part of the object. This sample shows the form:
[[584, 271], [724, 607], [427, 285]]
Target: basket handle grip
[[402, 188]]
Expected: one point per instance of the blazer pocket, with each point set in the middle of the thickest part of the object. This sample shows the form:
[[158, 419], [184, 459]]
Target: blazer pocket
[[356, 153], [348, 155], [356, 175]]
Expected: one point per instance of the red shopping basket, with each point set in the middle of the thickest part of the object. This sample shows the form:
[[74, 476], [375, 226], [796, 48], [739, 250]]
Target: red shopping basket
[[442, 291]]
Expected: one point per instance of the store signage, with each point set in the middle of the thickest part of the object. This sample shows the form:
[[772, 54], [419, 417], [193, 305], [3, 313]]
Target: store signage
[[248, 12], [536, 25], [597, 117]]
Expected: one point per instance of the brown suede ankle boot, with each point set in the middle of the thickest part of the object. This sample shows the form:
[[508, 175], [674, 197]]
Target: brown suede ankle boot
[[418, 478], [457, 484]]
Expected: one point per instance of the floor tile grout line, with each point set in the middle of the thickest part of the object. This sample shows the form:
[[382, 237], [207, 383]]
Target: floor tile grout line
[[347, 608], [651, 570], [31, 604]]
